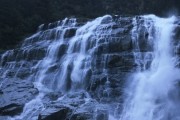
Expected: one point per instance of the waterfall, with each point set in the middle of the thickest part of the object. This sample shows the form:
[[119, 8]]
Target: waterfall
[[75, 62], [152, 93], [112, 67], [67, 62]]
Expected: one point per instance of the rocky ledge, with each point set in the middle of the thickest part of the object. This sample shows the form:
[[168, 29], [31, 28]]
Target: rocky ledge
[[14, 94], [73, 106]]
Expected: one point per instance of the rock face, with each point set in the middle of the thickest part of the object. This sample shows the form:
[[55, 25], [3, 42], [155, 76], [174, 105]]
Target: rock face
[[14, 94], [75, 69], [76, 106]]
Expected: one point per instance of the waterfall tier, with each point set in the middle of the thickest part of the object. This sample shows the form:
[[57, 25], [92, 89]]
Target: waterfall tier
[[112, 67]]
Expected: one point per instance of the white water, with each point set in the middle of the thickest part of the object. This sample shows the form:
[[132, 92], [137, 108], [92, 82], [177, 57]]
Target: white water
[[153, 94], [72, 66]]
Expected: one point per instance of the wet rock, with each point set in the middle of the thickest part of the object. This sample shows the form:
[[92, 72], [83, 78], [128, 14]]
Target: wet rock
[[82, 116], [97, 81], [106, 20], [102, 115], [11, 109], [34, 53], [101, 49], [115, 60], [126, 44], [108, 88], [81, 21], [61, 50], [52, 96], [177, 33], [74, 106], [52, 68], [144, 44], [15, 93], [62, 109], [23, 73], [70, 33], [88, 77], [120, 44], [55, 114], [8, 56], [90, 111], [20, 69], [121, 60], [117, 30]]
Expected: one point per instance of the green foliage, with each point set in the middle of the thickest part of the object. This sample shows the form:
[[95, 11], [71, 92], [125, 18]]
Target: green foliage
[[20, 18]]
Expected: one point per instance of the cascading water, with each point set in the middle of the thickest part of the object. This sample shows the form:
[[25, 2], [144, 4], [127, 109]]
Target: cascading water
[[153, 93], [62, 72], [42, 80], [74, 69]]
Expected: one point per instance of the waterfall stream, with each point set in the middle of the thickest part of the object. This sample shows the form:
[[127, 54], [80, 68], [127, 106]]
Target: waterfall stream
[[72, 65], [153, 93], [112, 67]]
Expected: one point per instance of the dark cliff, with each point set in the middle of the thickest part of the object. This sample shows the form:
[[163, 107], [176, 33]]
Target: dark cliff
[[20, 18]]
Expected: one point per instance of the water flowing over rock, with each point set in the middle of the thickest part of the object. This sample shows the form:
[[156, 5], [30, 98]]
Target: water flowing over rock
[[153, 92], [102, 69]]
